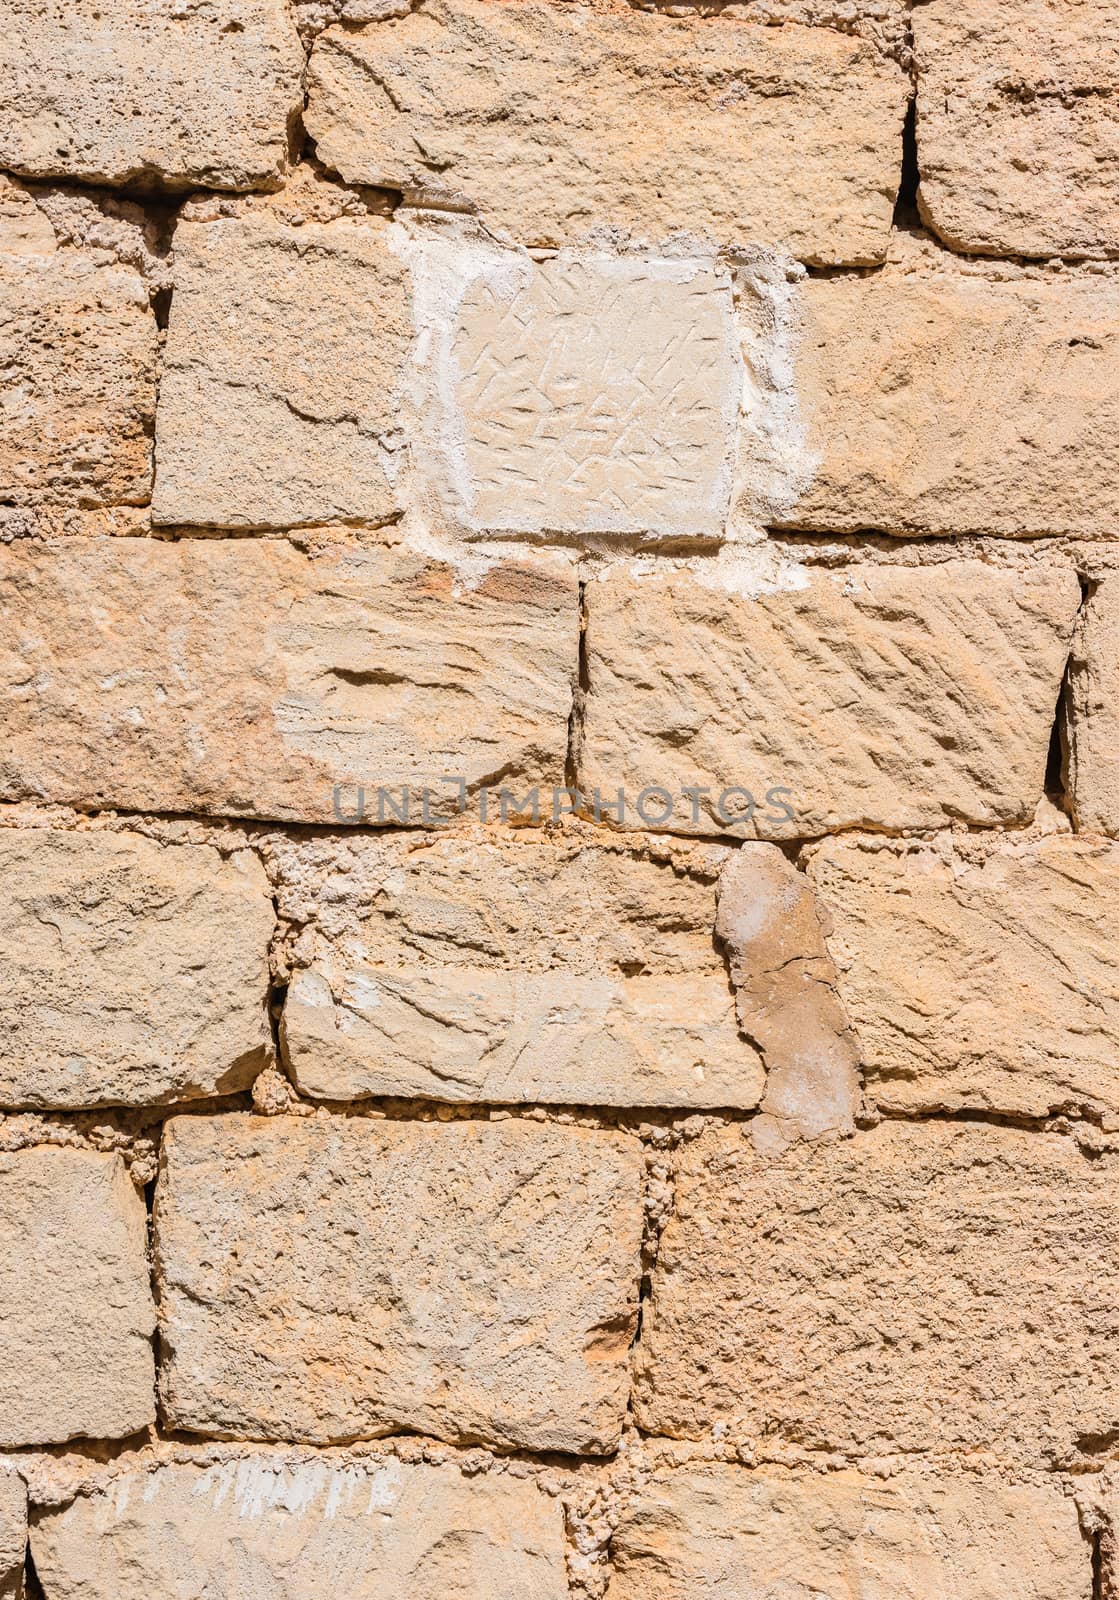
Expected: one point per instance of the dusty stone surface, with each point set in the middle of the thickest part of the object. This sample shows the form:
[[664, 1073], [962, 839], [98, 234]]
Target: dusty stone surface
[[1018, 125], [290, 1529], [930, 1286], [892, 371], [553, 120], [156, 92], [719, 1531], [134, 973], [13, 1534], [983, 984], [1091, 728], [75, 1338], [278, 404], [246, 677], [885, 696], [333, 1278]]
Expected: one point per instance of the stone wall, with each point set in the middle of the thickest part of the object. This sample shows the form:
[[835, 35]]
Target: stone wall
[[559, 799]]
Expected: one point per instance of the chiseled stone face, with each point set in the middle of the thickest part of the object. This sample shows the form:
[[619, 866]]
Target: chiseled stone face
[[923, 1286], [149, 90], [1018, 125], [1092, 717], [331, 1279], [720, 1533], [283, 1528], [886, 696], [13, 1535], [75, 1338], [552, 122]]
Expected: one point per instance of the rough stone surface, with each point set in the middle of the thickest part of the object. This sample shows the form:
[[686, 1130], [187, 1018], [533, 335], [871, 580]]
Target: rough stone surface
[[247, 677], [13, 1535], [931, 1286], [552, 121], [151, 91], [1018, 125], [719, 1533], [75, 1338], [283, 1529], [893, 373], [885, 696], [985, 983], [1091, 730], [330, 1279]]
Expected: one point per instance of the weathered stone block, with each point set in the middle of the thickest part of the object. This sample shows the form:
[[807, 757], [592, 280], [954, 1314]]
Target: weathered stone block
[[1091, 726], [332, 1279], [931, 1286], [13, 1535], [245, 677], [75, 1337], [1018, 125], [710, 1532], [981, 982], [152, 92], [284, 1528], [886, 696], [552, 122]]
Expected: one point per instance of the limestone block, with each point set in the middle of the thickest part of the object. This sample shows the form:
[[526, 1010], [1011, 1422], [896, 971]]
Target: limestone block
[[75, 1337], [1091, 730], [245, 677], [719, 1533], [13, 1535], [278, 404], [979, 984], [334, 1278], [134, 973], [552, 121], [881, 695], [1018, 125], [923, 1286], [282, 1528], [150, 91]]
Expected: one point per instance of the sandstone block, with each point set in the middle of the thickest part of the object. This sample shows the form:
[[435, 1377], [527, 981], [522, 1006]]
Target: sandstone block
[[244, 677], [1091, 731], [151, 91], [285, 1528], [278, 404], [75, 1338], [712, 1532], [930, 1286], [13, 1535], [890, 696], [330, 1279], [982, 984], [1018, 125], [551, 122]]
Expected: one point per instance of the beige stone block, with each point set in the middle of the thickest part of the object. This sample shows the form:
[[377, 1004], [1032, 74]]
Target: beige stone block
[[941, 402], [885, 696], [245, 677], [982, 983], [135, 973], [283, 1528], [335, 1278], [922, 1287], [75, 1338], [1091, 724], [552, 121], [13, 1534], [1018, 125], [149, 91], [279, 401], [720, 1533]]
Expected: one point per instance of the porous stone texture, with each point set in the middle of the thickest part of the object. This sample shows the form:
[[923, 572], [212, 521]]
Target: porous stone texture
[[135, 973], [892, 371], [979, 982], [13, 1534], [716, 1532], [336, 1278], [553, 120], [154, 92], [884, 696], [285, 1529], [1018, 125], [278, 404], [247, 677], [922, 1287], [1091, 723], [75, 1339]]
